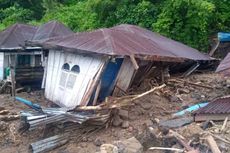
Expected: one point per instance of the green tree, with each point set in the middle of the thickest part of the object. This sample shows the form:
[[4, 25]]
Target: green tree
[[78, 17], [187, 21], [14, 14]]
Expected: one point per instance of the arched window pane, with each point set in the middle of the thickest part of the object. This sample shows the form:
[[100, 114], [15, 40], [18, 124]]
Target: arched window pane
[[75, 69], [65, 66]]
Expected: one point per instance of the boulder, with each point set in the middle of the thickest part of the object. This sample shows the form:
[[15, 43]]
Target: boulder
[[125, 124], [117, 121], [131, 145], [108, 148], [124, 114], [97, 142]]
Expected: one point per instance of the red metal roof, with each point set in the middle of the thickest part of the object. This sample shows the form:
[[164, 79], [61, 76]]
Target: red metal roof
[[224, 66], [116, 41], [51, 29], [16, 35], [218, 106]]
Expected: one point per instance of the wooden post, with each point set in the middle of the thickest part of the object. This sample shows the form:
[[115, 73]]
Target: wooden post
[[12, 74], [97, 93], [133, 60]]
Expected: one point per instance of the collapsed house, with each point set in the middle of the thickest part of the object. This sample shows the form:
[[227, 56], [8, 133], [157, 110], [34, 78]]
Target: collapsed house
[[87, 67], [26, 61]]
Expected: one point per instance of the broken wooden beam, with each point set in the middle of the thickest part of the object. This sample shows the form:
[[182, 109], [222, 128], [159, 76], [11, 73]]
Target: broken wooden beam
[[191, 83], [169, 149], [134, 62], [212, 143]]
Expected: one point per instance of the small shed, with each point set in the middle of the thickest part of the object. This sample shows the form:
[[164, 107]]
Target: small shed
[[87, 67]]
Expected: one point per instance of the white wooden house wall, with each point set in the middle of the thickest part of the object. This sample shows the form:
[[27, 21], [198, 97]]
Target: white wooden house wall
[[64, 96]]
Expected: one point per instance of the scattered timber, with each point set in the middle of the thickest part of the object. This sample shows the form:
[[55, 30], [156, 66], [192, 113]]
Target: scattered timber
[[212, 143], [190, 83], [169, 149], [120, 102]]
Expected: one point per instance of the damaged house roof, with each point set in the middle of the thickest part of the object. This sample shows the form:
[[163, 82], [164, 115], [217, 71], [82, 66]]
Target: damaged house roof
[[218, 109], [120, 41], [51, 29], [224, 66], [16, 35], [178, 49]]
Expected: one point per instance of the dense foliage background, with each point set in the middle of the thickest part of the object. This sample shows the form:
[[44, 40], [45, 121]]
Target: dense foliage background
[[192, 22]]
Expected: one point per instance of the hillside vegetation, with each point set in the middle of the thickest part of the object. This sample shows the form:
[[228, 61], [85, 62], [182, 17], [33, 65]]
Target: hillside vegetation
[[192, 22]]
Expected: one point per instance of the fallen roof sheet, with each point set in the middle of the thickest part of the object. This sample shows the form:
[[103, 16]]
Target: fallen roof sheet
[[118, 42], [51, 29], [224, 66], [16, 35], [218, 106]]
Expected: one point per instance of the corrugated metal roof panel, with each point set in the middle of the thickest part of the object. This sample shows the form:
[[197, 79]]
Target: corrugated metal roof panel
[[218, 106], [51, 29], [16, 35], [115, 41]]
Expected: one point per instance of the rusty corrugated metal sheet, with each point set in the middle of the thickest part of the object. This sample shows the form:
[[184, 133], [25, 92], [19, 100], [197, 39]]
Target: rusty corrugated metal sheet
[[16, 35], [51, 29], [121, 43], [164, 43], [218, 106], [224, 66]]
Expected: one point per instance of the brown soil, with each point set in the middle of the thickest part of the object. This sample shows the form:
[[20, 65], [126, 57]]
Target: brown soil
[[159, 105]]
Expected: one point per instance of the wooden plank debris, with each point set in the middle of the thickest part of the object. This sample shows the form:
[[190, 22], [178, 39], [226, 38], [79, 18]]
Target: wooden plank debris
[[133, 60], [169, 149], [190, 83], [121, 101], [212, 143]]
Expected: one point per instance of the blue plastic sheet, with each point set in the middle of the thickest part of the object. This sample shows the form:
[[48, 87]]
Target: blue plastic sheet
[[224, 36]]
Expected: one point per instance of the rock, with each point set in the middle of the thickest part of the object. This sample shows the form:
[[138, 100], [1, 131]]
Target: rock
[[131, 145], [146, 105], [3, 126], [90, 139], [133, 117], [124, 114], [83, 145], [108, 148], [148, 123], [125, 124], [117, 121], [174, 98], [130, 129], [84, 139], [120, 146], [97, 142], [183, 91]]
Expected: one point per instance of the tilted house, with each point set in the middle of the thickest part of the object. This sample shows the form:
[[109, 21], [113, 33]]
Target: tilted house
[[26, 60], [87, 67]]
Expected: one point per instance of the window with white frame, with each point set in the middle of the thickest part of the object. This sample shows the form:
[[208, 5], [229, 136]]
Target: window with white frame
[[73, 76], [69, 76], [64, 74]]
